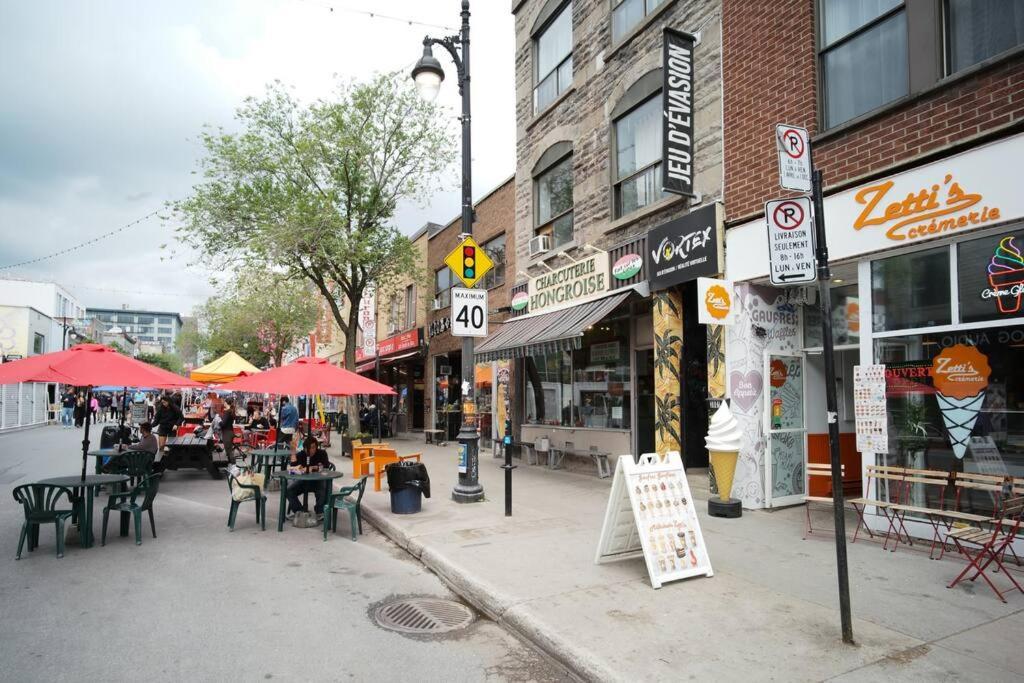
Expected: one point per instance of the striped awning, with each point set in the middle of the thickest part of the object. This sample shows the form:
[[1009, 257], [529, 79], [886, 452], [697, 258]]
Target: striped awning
[[547, 332]]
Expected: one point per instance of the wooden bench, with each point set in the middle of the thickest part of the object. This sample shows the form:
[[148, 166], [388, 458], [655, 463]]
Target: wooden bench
[[431, 436]]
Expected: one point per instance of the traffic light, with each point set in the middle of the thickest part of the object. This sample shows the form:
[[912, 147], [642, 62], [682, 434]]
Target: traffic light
[[468, 262]]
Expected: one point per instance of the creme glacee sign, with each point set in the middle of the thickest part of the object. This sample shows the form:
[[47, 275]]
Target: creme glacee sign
[[569, 285]]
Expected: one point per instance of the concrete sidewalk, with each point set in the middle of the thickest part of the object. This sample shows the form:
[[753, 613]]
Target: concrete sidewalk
[[769, 612]]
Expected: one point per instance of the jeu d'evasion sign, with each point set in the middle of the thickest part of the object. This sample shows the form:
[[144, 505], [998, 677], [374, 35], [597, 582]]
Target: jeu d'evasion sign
[[677, 104]]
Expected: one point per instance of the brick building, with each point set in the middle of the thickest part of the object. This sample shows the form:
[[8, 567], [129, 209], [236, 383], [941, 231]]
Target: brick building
[[588, 190], [915, 120], [493, 230]]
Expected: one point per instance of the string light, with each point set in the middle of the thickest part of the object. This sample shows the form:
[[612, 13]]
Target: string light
[[82, 245], [377, 15]]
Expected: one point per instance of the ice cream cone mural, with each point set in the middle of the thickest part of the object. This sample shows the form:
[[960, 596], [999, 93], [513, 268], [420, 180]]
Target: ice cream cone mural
[[723, 443], [1006, 275], [960, 376]]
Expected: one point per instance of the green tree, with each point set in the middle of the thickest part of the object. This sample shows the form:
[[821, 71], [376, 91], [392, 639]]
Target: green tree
[[167, 361], [259, 316], [312, 190]]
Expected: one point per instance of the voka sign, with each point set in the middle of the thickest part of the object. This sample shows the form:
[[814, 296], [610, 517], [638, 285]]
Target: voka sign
[[677, 105]]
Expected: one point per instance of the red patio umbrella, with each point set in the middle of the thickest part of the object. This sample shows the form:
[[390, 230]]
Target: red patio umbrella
[[89, 365], [309, 375]]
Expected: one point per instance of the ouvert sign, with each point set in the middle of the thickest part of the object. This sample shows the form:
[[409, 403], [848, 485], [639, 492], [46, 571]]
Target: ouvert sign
[[576, 283]]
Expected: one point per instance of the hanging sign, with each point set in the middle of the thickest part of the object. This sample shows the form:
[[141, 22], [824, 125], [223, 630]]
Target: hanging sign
[[790, 241], [794, 157], [869, 409], [677, 110], [368, 321], [715, 301], [651, 513], [469, 262], [685, 248]]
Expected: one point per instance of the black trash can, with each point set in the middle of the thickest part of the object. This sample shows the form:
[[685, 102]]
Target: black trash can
[[109, 437], [408, 482]]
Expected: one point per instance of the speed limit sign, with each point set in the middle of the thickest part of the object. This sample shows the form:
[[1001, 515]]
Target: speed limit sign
[[469, 312]]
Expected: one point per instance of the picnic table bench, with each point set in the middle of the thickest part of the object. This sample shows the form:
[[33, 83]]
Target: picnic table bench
[[193, 452]]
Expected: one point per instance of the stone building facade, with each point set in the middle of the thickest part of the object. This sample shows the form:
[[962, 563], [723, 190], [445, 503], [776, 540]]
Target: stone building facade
[[588, 96]]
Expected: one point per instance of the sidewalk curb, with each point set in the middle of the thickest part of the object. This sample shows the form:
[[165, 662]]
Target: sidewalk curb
[[488, 599]]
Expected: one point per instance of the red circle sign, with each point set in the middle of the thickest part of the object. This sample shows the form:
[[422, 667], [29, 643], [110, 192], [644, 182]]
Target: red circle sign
[[793, 143], [788, 215]]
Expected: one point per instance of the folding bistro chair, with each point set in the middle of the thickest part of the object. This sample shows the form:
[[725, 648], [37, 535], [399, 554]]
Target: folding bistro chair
[[934, 485], [883, 476], [823, 470], [990, 545]]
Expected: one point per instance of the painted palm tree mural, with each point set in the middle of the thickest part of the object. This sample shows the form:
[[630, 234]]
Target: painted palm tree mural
[[668, 353]]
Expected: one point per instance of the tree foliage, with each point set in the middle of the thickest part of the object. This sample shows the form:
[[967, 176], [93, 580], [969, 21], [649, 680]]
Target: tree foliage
[[167, 361], [259, 316], [312, 190]]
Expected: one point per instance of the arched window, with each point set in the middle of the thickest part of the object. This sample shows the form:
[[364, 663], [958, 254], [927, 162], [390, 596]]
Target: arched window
[[552, 52], [552, 192], [636, 146]]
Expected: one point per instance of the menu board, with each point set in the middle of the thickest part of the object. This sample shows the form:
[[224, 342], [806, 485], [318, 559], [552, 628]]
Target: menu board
[[651, 513], [869, 408]]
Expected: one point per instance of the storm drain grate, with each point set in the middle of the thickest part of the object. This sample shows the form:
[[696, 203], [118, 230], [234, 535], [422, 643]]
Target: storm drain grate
[[423, 616]]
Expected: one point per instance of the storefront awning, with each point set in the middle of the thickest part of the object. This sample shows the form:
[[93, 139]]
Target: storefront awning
[[366, 367], [401, 356], [548, 332]]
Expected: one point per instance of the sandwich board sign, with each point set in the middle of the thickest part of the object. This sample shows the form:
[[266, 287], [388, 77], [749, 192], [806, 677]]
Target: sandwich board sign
[[651, 514], [790, 241], [794, 157]]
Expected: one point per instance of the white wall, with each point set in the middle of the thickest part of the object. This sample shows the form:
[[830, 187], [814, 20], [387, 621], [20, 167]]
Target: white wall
[[46, 298]]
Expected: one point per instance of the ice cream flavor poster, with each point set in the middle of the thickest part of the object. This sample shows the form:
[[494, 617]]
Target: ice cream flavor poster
[[960, 375]]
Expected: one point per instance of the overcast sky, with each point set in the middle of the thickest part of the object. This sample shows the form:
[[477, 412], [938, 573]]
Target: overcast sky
[[101, 102]]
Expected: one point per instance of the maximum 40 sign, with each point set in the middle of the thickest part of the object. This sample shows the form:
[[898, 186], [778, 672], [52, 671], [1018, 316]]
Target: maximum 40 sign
[[790, 241]]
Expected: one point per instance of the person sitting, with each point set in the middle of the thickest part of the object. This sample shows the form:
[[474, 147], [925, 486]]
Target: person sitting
[[258, 421], [311, 458], [148, 442]]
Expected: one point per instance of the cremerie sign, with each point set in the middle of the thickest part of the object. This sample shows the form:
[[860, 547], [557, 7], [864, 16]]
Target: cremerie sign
[[677, 113], [685, 248], [569, 285]]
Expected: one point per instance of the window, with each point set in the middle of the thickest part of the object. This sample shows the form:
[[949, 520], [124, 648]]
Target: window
[[979, 30], [164, 330], [410, 307], [145, 319], [553, 51], [554, 202], [585, 388], [496, 250], [165, 320], [627, 13], [394, 314], [864, 56], [38, 344], [443, 287], [911, 290], [990, 277], [638, 157]]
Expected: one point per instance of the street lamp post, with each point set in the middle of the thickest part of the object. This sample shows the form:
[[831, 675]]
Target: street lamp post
[[428, 76]]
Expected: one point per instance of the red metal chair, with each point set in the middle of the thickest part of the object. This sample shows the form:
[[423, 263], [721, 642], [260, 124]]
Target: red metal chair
[[982, 547]]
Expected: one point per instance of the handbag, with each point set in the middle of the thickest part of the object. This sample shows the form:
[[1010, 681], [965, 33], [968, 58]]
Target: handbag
[[250, 479]]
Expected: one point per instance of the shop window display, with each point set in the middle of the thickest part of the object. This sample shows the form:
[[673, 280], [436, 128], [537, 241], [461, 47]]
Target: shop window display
[[586, 388], [932, 425]]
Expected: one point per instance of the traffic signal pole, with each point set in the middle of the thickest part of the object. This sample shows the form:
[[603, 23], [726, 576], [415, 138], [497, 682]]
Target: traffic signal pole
[[468, 490]]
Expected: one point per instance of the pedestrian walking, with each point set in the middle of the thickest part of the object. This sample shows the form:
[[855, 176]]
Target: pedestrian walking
[[94, 408], [150, 407], [67, 409], [168, 417], [288, 423], [80, 410], [227, 429]]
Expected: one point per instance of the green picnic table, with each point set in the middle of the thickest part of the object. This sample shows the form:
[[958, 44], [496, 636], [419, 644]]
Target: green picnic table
[[85, 493]]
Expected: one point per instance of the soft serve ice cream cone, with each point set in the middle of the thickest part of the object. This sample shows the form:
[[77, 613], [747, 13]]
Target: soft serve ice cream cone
[[1006, 275], [723, 443]]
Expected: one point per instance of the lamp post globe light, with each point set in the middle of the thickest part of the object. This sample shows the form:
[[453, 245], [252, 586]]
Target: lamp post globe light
[[428, 76]]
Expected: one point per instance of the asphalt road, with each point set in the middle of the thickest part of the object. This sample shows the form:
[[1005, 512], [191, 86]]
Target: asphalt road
[[199, 603]]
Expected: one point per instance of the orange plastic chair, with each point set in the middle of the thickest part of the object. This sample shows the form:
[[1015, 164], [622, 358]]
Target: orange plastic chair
[[361, 456]]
